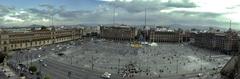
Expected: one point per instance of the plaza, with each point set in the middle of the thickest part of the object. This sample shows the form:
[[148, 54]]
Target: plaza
[[167, 60]]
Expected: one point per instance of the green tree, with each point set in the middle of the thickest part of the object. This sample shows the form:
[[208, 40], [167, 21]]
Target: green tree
[[21, 74], [33, 68], [43, 28], [2, 57], [47, 77]]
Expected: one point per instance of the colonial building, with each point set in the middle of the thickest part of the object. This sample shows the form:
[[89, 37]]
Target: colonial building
[[21, 40], [204, 40], [225, 42], [118, 33], [165, 36]]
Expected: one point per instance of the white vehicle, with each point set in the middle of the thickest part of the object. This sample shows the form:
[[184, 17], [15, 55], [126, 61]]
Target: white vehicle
[[4, 70], [68, 47], [220, 66], [144, 43], [34, 49], [39, 55], [41, 60], [44, 65], [199, 74], [106, 75], [23, 77], [60, 48]]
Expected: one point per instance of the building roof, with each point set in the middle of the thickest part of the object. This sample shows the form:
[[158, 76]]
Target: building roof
[[220, 34]]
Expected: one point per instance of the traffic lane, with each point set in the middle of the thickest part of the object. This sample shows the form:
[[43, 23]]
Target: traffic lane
[[77, 72], [61, 71], [28, 56], [34, 52], [48, 70], [54, 73], [88, 74]]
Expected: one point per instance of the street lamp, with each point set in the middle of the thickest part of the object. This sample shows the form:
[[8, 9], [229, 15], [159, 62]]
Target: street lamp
[[40, 66], [118, 66], [177, 66], [92, 63], [69, 74], [19, 61]]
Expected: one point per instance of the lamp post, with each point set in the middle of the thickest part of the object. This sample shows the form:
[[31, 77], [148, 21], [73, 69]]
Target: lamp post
[[69, 74], [40, 70], [177, 66], [118, 66], [92, 63]]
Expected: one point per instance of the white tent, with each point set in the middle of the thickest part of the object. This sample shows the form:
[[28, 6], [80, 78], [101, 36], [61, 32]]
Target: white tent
[[153, 44], [144, 43]]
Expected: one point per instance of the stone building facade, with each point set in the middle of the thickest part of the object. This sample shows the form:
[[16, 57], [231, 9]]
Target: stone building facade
[[22, 40], [118, 33], [165, 36], [225, 42]]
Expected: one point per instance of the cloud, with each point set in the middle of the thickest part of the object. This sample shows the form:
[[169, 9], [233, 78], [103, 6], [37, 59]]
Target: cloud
[[182, 4], [199, 14], [151, 5], [127, 11], [4, 10]]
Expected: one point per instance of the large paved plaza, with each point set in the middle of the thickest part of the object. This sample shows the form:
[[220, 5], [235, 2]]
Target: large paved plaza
[[89, 59]]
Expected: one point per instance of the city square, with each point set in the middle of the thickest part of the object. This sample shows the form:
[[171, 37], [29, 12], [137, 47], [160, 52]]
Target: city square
[[167, 60], [119, 39]]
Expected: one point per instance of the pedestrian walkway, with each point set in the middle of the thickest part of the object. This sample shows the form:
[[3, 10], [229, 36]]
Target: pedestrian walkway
[[8, 72]]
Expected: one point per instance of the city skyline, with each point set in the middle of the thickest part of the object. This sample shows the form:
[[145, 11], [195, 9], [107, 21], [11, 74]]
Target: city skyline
[[189, 12]]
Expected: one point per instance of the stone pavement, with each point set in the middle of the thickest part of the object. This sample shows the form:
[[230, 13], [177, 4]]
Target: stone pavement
[[6, 71]]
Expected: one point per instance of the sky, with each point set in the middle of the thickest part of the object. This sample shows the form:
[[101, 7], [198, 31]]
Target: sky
[[159, 12]]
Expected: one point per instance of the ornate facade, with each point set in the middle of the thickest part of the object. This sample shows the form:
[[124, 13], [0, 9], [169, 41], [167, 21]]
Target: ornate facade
[[118, 33], [22, 40], [164, 36], [225, 42]]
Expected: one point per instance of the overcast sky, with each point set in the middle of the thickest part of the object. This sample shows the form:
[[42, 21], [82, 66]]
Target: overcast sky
[[189, 12]]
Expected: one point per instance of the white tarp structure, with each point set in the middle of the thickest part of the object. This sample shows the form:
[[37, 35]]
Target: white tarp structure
[[144, 43], [153, 44]]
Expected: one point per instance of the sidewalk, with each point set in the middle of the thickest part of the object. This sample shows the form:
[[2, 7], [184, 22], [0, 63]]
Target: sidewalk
[[8, 72]]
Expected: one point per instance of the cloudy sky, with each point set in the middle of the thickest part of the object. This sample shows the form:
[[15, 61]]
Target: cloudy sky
[[186, 12]]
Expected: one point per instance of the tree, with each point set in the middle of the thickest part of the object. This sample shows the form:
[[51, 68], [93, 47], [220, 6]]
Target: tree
[[2, 57], [47, 77], [21, 75], [43, 28], [33, 68]]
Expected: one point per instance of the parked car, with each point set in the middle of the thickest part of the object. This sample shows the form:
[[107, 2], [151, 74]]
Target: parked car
[[106, 75]]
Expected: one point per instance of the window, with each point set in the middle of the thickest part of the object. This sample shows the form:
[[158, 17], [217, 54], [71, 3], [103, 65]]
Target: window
[[4, 42]]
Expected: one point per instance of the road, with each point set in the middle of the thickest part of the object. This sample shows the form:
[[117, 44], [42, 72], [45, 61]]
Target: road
[[59, 70]]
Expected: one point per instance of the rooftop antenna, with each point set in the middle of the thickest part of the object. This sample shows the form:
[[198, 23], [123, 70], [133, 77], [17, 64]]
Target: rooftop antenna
[[145, 17], [114, 12], [49, 14], [230, 24], [52, 19]]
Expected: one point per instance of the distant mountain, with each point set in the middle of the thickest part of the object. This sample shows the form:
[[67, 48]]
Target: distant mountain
[[187, 27], [35, 25]]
